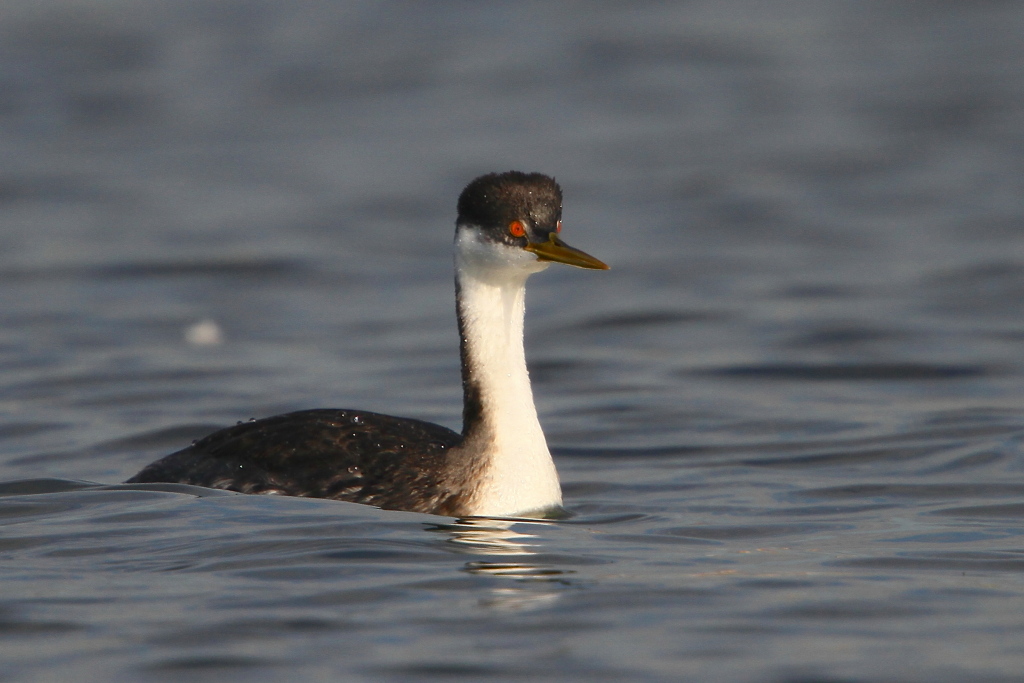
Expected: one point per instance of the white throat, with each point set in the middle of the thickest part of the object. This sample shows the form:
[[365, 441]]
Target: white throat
[[519, 475]]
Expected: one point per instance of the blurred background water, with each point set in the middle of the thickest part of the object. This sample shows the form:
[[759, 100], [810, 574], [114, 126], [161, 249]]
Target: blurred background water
[[789, 420]]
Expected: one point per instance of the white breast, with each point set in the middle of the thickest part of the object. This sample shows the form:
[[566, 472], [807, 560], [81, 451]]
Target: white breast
[[519, 475]]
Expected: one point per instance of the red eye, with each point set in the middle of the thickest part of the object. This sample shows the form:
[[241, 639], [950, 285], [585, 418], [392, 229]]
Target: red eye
[[516, 229], [558, 226]]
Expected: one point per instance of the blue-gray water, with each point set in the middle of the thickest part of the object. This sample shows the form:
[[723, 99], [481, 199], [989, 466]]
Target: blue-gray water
[[789, 421]]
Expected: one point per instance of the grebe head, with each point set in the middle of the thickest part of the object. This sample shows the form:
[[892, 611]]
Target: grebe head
[[513, 220]]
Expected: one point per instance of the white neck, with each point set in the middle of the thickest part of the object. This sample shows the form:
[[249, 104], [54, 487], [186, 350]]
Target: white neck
[[518, 474]]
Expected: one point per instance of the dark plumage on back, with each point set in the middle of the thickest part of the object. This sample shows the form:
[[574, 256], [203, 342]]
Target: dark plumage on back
[[364, 457]]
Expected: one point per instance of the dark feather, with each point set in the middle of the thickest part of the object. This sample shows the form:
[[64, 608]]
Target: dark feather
[[353, 455]]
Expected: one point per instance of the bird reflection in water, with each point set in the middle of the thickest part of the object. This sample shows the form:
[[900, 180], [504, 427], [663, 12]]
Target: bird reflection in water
[[503, 538]]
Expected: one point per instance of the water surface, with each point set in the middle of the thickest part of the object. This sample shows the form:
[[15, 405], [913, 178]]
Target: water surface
[[788, 421]]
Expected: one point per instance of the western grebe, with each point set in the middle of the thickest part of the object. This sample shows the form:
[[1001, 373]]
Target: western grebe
[[507, 229]]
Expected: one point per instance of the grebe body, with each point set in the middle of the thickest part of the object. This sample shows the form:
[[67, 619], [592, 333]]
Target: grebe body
[[507, 229]]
